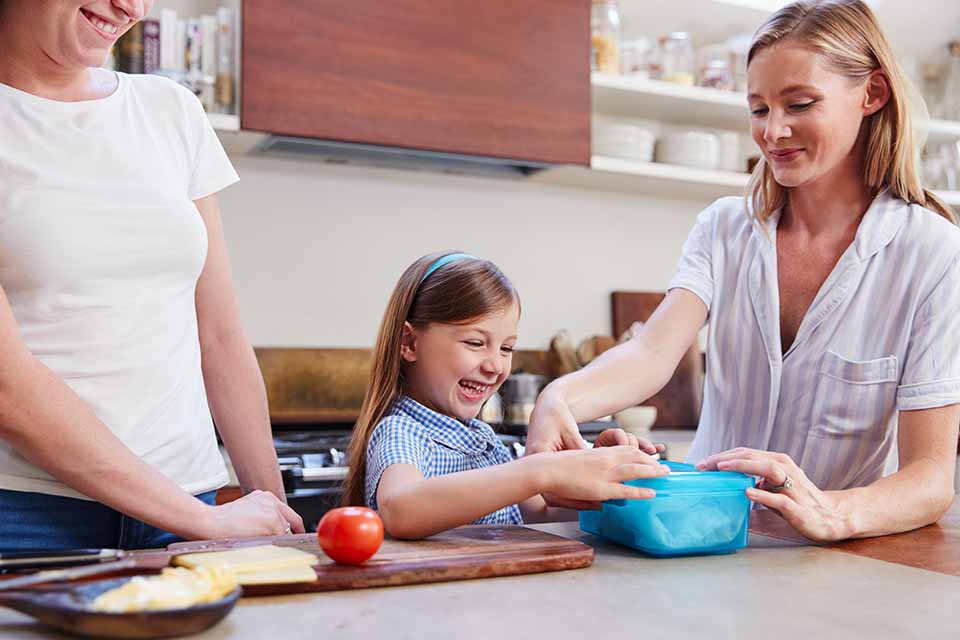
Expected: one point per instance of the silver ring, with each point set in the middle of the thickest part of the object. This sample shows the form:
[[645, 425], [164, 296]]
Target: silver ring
[[786, 484], [287, 530]]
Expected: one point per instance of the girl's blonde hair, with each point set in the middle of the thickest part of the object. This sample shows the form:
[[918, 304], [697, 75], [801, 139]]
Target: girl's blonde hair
[[846, 33], [455, 293]]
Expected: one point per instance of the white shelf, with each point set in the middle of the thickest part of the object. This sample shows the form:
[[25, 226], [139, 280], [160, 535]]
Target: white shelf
[[663, 180], [224, 121], [648, 178], [631, 97], [196, 8], [642, 98], [943, 131], [950, 197]]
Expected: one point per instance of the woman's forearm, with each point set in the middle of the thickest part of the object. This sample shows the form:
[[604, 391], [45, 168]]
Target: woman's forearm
[[631, 372], [622, 377], [423, 507], [238, 402], [231, 375], [50, 426], [915, 496]]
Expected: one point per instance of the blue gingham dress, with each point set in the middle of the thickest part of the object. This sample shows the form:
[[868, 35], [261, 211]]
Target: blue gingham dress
[[435, 444]]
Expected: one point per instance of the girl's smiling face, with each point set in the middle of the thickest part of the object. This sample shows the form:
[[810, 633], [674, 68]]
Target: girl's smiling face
[[805, 117], [454, 368]]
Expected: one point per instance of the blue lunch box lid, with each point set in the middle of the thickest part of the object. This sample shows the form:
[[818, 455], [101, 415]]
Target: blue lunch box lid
[[684, 478]]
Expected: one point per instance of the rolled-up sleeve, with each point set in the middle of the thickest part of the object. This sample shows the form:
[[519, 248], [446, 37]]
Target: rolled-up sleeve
[[395, 440], [695, 269], [931, 371]]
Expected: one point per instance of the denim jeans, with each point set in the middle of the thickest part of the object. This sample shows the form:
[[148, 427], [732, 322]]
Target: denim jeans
[[41, 521]]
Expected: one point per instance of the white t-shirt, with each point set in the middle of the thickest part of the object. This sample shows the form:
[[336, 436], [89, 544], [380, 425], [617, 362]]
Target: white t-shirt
[[101, 247]]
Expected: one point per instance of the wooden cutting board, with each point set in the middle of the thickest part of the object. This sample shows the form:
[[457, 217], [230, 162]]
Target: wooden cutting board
[[464, 553], [678, 403]]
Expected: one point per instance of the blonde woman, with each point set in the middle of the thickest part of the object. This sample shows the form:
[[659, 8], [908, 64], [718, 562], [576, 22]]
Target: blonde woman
[[832, 294]]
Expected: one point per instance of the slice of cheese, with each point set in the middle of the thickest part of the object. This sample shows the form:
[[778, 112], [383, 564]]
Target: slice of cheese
[[288, 575], [249, 559], [264, 564]]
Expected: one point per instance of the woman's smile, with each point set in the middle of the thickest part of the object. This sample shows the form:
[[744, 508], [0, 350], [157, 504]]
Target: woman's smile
[[784, 156], [103, 27]]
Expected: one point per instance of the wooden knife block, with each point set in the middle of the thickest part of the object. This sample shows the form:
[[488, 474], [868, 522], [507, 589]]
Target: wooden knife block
[[678, 403]]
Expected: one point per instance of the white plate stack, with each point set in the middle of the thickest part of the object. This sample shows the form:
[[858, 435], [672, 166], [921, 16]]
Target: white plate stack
[[697, 149], [628, 140]]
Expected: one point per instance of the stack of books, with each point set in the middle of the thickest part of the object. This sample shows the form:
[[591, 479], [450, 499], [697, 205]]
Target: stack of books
[[197, 52]]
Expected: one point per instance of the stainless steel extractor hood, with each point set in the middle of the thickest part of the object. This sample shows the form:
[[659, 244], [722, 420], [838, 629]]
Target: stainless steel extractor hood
[[397, 158]]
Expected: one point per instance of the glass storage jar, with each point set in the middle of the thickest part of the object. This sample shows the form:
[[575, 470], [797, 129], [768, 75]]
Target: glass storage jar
[[676, 59], [605, 36], [951, 89]]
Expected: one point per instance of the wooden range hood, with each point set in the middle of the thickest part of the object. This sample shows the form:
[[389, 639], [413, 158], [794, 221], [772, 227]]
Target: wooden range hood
[[503, 81]]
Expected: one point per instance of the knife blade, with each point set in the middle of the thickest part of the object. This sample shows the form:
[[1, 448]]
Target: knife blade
[[54, 575], [46, 558]]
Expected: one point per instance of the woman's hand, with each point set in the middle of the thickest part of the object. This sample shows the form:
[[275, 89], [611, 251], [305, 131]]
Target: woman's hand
[[617, 437], [259, 513], [785, 489], [588, 477], [552, 426]]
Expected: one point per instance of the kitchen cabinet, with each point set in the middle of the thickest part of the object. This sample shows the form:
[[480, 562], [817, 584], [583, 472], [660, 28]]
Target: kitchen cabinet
[[503, 78]]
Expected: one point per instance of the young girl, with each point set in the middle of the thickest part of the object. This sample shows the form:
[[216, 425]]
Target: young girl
[[420, 457]]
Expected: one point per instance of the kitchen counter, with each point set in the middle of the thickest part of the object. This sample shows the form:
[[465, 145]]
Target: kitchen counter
[[776, 588]]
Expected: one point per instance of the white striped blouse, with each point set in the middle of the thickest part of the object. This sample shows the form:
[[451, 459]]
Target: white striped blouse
[[881, 336]]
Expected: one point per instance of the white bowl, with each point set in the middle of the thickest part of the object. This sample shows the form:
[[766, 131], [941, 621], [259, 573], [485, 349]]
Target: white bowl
[[624, 141], [629, 139], [697, 149], [729, 154], [637, 420]]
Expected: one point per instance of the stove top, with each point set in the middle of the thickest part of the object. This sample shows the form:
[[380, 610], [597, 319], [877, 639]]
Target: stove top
[[313, 465], [311, 449]]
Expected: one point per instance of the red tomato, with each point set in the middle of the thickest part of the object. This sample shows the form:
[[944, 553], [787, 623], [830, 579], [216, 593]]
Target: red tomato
[[350, 535]]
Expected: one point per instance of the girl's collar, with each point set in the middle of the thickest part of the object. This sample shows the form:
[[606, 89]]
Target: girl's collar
[[471, 436], [419, 410]]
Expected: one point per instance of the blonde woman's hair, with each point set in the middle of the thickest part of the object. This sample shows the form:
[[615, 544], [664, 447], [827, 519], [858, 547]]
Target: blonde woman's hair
[[846, 33], [456, 293]]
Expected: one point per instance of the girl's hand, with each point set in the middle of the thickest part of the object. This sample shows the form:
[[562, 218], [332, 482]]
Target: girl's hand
[[258, 513], [785, 489], [617, 437], [592, 476]]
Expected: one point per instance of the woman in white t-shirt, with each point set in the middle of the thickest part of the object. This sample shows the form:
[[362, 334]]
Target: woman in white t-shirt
[[119, 328], [833, 299]]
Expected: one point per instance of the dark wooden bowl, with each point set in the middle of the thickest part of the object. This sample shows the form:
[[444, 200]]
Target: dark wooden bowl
[[67, 609]]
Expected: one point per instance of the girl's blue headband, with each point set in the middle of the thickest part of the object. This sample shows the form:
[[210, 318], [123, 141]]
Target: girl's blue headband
[[447, 259]]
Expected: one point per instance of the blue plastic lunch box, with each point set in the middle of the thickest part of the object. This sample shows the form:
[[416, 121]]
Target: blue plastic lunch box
[[694, 512]]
